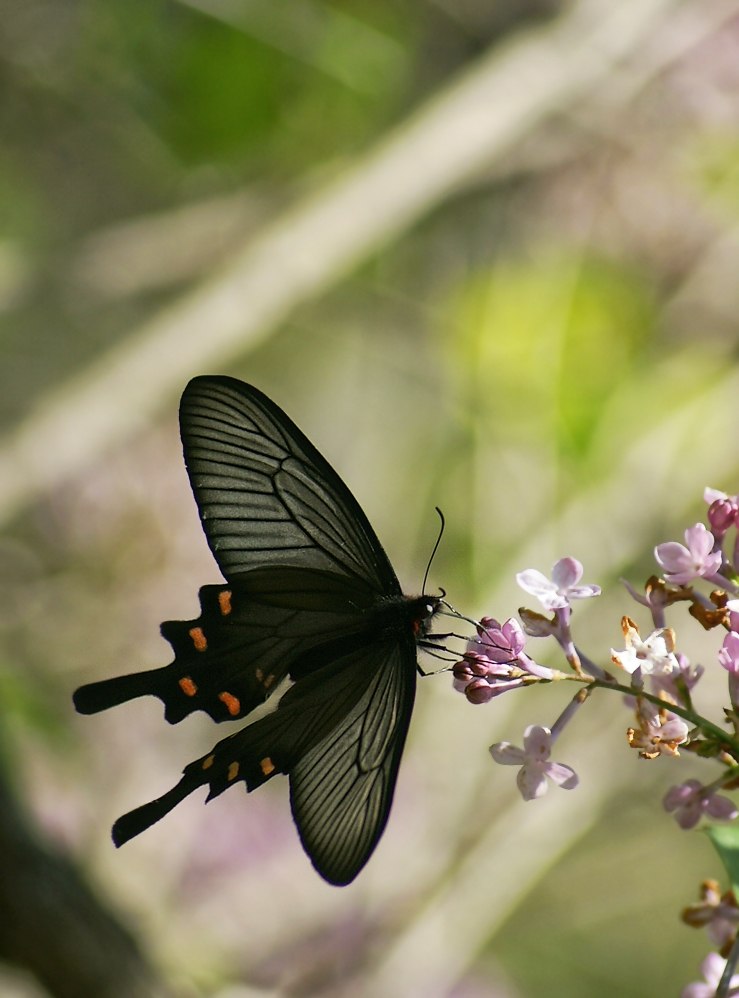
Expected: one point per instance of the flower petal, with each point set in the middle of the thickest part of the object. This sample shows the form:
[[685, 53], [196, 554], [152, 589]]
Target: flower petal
[[531, 782], [699, 540], [532, 581], [721, 808], [537, 742], [563, 776], [566, 572], [583, 592], [672, 556], [507, 754], [711, 495]]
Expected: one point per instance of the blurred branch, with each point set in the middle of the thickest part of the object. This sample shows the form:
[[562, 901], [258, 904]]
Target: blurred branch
[[53, 925], [157, 250], [161, 249], [476, 119]]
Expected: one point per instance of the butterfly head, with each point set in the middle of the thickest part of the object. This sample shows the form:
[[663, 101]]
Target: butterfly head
[[424, 610]]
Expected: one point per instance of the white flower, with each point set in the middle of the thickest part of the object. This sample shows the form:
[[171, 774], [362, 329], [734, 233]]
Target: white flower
[[654, 655]]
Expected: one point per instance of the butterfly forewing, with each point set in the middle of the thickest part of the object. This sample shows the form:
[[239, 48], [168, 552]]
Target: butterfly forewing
[[266, 496]]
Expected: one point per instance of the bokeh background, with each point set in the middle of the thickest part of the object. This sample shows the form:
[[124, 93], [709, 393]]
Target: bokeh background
[[485, 254]]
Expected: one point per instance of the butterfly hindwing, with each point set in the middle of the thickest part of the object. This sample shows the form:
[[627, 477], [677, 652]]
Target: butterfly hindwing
[[339, 735], [342, 788], [250, 634]]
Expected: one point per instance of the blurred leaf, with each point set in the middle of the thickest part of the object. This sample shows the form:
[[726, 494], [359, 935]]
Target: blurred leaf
[[725, 839], [552, 339]]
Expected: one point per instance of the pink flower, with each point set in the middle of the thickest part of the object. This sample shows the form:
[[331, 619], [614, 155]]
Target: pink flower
[[681, 564], [481, 679], [728, 657], [712, 968], [498, 642], [691, 800], [495, 662], [557, 592], [534, 761], [483, 690], [723, 510]]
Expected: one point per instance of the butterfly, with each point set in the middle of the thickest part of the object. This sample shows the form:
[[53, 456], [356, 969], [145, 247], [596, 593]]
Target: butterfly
[[311, 615]]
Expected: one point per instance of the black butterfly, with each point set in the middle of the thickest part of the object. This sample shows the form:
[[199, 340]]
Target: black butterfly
[[311, 598]]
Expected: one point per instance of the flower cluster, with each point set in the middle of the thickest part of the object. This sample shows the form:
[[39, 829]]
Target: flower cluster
[[654, 680], [495, 662]]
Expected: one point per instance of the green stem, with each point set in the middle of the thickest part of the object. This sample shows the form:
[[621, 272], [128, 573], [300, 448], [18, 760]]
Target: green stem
[[707, 727]]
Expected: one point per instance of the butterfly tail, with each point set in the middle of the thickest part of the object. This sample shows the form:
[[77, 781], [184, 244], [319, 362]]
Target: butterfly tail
[[141, 818], [107, 693]]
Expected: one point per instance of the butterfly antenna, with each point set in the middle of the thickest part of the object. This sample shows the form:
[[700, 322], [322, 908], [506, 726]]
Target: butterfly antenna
[[436, 548]]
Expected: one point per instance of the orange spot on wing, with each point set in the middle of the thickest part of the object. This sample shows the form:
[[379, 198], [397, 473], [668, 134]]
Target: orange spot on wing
[[224, 602], [268, 681], [188, 687], [198, 638], [267, 766], [233, 770], [259, 675], [207, 763], [233, 704]]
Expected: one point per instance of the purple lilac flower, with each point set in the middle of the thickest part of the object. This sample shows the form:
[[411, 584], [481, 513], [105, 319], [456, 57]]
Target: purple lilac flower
[[557, 592], [495, 662], [498, 642], [728, 657], [691, 800], [681, 563], [723, 510], [535, 764]]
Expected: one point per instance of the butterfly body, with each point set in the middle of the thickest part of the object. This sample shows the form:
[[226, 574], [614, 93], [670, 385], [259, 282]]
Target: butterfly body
[[310, 598]]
